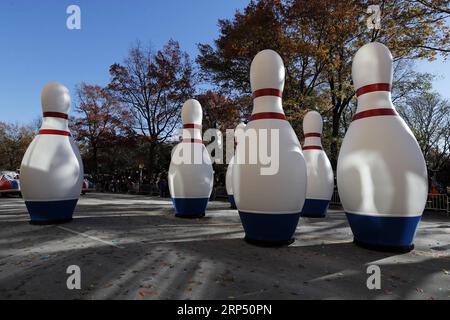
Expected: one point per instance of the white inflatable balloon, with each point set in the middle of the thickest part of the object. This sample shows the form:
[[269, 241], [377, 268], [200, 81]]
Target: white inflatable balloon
[[229, 175], [191, 172], [269, 197], [381, 172], [51, 173], [320, 173]]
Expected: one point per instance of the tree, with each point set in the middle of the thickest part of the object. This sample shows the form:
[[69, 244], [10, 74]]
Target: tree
[[317, 41], [153, 87], [219, 112], [260, 27], [408, 82], [102, 120], [406, 29], [428, 116], [442, 44], [14, 141], [437, 5]]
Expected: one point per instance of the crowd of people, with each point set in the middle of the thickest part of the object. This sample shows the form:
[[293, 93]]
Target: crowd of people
[[129, 183], [132, 183], [158, 185]]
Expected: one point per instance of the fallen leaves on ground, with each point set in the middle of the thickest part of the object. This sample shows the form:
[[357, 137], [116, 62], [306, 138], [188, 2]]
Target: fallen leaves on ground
[[147, 293]]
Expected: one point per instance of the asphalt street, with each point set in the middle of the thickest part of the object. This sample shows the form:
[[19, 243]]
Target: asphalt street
[[133, 247]]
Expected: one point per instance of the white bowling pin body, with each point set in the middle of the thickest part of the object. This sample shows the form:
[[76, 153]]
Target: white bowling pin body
[[269, 204], [229, 175], [381, 172], [51, 172], [320, 184], [191, 172]]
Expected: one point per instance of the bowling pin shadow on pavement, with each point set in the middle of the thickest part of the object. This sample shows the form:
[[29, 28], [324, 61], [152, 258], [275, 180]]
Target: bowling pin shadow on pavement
[[381, 173], [51, 172], [191, 173], [269, 205]]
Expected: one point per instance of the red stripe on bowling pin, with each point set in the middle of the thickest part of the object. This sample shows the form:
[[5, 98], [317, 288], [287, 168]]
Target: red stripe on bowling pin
[[313, 135], [373, 88], [192, 126], [267, 92], [52, 114], [267, 115], [312, 148], [55, 132], [192, 141], [375, 113]]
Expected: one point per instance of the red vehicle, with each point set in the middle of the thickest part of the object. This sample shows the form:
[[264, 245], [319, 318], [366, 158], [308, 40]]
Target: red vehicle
[[9, 183]]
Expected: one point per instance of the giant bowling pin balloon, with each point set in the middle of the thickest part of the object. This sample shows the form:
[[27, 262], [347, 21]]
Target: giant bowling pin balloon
[[191, 172], [320, 184], [269, 194], [229, 175], [381, 172], [51, 173]]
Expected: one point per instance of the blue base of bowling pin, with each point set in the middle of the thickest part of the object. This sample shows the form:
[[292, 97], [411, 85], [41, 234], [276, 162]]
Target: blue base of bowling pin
[[269, 230], [51, 212], [232, 202], [314, 208], [190, 207], [392, 234]]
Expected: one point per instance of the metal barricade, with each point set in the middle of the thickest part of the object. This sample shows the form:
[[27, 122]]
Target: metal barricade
[[438, 202], [435, 202], [335, 200]]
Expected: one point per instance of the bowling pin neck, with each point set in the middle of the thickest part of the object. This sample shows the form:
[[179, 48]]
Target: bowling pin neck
[[267, 104], [53, 123], [192, 131], [313, 140], [374, 100]]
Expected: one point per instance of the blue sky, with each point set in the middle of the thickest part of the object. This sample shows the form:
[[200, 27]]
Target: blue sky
[[38, 48]]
